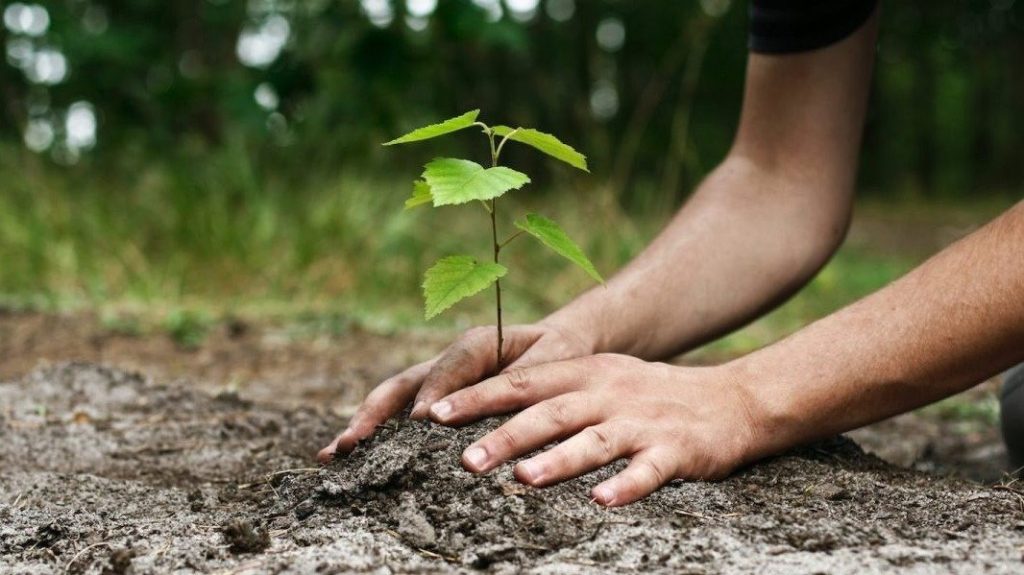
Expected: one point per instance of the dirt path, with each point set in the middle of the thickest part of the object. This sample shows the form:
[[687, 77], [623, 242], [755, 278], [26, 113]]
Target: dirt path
[[106, 471]]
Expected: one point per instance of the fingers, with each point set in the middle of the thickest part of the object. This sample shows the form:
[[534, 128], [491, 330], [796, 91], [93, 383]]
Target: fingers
[[384, 401], [509, 391], [589, 449], [646, 472], [471, 358], [533, 428]]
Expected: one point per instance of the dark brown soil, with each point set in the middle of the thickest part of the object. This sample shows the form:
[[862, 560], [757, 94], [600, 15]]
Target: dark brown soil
[[108, 471]]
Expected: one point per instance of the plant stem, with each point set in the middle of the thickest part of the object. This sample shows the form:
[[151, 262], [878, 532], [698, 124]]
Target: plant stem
[[497, 250], [497, 283], [509, 240]]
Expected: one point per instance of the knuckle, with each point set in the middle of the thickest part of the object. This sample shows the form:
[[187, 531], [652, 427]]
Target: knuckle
[[468, 399], [612, 358], [607, 367], [600, 438], [505, 439], [556, 412], [602, 359], [654, 470], [518, 380]]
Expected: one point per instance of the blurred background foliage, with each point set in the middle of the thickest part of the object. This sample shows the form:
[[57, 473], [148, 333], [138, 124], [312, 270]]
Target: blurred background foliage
[[228, 151], [650, 89]]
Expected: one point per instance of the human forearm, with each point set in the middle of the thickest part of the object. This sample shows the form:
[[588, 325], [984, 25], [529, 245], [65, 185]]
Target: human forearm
[[746, 241], [953, 322], [760, 225]]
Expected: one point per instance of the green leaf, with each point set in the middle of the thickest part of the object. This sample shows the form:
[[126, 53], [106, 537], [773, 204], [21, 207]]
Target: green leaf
[[453, 181], [455, 278], [434, 130], [546, 143], [420, 195], [551, 235]]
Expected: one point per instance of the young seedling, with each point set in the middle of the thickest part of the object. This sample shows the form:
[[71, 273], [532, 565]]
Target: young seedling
[[452, 181]]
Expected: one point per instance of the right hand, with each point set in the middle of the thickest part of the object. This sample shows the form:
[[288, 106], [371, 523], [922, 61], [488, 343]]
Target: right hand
[[470, 359]]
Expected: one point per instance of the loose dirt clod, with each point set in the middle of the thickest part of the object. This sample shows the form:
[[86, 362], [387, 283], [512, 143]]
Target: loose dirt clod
[[243, 537], [119, 562], [189, 482]]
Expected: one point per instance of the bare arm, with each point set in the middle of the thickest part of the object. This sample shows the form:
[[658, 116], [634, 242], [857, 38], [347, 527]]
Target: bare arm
[[953, 322], [761, 224]]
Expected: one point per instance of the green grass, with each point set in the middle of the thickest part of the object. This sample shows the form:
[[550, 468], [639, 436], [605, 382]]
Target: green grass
[[218, 238], [183, 246]]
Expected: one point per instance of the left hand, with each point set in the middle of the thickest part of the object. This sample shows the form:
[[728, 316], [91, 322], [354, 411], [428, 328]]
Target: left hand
[[671, 422]]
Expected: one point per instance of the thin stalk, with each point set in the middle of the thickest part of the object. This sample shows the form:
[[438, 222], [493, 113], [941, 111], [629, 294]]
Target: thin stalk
[[497, 251], [497, 283], [502, 144], [512, 237]]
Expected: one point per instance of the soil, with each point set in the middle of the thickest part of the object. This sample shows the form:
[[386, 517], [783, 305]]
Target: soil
[[111, 471], [319, 359], [328, 362]]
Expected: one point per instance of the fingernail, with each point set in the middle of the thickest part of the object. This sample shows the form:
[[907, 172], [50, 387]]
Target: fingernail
[[604, 495], [441, 410], [531, 472], [418, 409], [476, 457]]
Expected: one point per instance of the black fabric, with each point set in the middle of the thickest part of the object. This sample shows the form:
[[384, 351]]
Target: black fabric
[[1011, 413], [781, 26]]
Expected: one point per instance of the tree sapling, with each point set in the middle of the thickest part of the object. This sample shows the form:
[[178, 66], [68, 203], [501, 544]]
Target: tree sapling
[[453, 181]]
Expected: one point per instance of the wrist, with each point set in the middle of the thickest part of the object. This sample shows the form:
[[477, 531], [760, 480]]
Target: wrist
[[583, 326], [767, 415]]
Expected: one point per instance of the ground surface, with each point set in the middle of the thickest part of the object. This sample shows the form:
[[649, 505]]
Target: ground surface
[[321, 363], [109, 471]]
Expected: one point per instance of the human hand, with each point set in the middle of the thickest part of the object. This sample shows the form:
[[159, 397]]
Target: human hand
[[671, 422], [471, 358]]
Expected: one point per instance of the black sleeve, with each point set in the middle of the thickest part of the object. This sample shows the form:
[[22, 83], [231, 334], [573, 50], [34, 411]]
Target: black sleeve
[[781, 26]]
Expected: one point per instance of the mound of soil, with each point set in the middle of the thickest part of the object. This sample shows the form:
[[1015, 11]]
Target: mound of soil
[[105, 471]]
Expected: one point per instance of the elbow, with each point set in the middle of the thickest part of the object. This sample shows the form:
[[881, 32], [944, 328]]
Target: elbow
[[815, 233], [805, 213], [825, 232]]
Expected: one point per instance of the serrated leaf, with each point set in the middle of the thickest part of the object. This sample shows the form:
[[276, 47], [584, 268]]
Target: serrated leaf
[[420, 195], [554, 237], [454, 181], [455, 278], [546, 143], [434, 130]]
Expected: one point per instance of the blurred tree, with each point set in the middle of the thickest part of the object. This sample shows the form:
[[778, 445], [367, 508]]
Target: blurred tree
[[649, 89]]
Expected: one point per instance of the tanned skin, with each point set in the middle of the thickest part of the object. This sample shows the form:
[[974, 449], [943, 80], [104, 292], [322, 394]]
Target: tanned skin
[[756, 230]]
